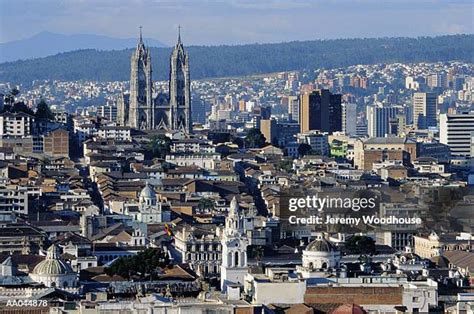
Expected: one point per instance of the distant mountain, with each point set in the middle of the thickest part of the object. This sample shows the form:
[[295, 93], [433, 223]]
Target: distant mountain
[[46, 44], [224, 61]]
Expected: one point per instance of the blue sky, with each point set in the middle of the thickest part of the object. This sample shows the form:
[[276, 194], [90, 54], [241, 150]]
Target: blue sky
[[211, 22]]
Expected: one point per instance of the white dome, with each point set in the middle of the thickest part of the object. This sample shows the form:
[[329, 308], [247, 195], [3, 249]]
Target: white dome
[[53, 271], [148, 192]]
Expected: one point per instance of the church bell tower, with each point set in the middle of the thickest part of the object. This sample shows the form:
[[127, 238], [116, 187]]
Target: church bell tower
[[234, 248]]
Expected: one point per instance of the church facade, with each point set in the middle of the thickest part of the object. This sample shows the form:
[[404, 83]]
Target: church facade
[[143, 109]]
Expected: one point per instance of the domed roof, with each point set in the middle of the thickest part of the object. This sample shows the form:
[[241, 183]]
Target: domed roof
[[148, 192], [53, 265], [321, 245]]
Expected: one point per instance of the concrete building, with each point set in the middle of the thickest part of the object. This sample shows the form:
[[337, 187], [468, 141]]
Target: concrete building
[[456, 131], [279, 133], [15, 124], [349, 119], [320, 110], [424, 110], [379, 149], [434, 244], [317, 140], [294, 108], [378, 120], [13, 200], [260, 289], [108, 112]]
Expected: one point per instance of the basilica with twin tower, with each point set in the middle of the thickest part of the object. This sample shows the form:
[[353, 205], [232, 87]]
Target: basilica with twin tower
[[145, 110]]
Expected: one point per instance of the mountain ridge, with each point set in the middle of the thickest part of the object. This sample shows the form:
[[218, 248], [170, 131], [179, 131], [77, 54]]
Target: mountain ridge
[[45, 44], [242, 60]]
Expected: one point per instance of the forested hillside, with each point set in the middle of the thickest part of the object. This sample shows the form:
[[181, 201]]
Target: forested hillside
[[220, 61]]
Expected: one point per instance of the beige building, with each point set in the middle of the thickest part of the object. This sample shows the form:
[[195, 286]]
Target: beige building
[[434, 244], [379, 149], [424, 110]]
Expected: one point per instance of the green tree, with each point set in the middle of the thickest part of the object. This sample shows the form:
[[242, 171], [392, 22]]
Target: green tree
[[145, 264], [304, 149], [159, 146], [43, 111], [206, 204], [9, 98], [254, 139], [360, 245], [286, 165]]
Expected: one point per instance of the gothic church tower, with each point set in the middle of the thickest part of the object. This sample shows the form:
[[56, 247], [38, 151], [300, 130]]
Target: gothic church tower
[[180, 89], [141, 89]]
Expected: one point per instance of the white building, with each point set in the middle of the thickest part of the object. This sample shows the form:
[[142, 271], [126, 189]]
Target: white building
[[378, 120], [206, 161], [15, 124], [277, 285], [456, 131], [118, 133], [317, 140], [13, 200], [108, 112]]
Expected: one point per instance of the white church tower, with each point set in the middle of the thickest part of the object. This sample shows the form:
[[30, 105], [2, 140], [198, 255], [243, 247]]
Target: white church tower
[[234, 248]]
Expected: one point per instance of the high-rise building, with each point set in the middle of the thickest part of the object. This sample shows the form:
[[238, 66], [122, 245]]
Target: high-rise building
[[107, 112], [320, 110], [378, 120], [141, 110], [424, 110], [456, 131], [437, 80], [349, 119], [294, 108]]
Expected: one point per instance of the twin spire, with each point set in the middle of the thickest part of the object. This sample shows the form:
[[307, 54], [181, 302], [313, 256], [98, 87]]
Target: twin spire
[[141, 36]]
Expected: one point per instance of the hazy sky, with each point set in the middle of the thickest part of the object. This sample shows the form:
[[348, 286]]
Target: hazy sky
[[210, 22]]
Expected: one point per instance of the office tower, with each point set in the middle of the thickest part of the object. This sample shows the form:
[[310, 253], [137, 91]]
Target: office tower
[[294, 108], [378, 120], [437, 80], [424, 110], [455, 130], [320, 110], [349, 119], [107, 112]]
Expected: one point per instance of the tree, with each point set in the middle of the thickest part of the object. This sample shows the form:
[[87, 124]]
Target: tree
[[159, 146], [145, 263], [9, 98], [304, 149], [21, 107], [360, 245], [206, 204], [286, 165], [43, 111], [238, 141], [254, 139]]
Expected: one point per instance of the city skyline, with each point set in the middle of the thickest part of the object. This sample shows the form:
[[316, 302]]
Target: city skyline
[[237, 22]]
